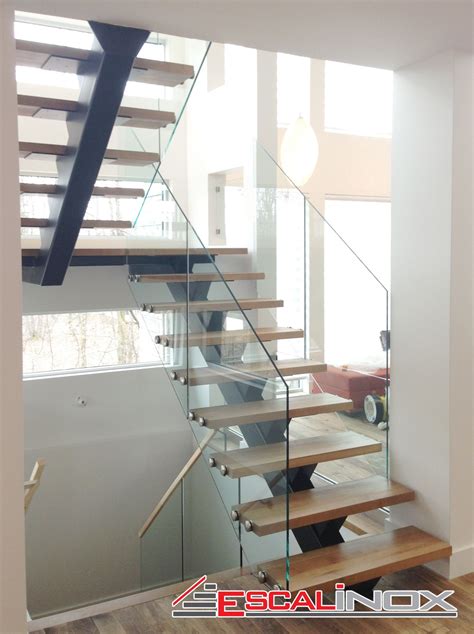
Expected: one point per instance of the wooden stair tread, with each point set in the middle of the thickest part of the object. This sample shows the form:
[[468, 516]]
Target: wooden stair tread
[[109, 192], [86, 224], [66, 58], [270, 410], [118, 157], [322, 504], [214, 374], [162, 251], [221, 337], [213, 305], [150, 252], [169, 278], [303, 452], [358, 560], [53, 108]]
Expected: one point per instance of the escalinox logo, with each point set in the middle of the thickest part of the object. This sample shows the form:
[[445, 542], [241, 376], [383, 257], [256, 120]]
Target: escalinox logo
[[209, 602]]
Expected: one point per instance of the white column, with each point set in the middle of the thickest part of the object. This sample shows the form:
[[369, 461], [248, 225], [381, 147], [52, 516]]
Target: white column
[[314, 190], [431, 431], [265, 183], [12, 548]]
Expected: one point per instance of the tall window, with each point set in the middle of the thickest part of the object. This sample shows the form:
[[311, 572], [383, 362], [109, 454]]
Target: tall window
[[293, 88], [358, 100], [290, 249], [354, 302]]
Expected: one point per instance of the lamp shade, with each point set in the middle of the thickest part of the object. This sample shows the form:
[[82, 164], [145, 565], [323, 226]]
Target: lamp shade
[[299, 151]]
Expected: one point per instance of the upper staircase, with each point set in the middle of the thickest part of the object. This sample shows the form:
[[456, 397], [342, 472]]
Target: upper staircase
[[114, 141], [247, 378]]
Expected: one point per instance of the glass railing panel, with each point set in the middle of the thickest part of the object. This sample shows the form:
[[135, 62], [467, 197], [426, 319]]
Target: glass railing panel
[[191, 534], [167, 101], [162, 304], [162, 545], [237, 195], [343, 306], [320, 283], [107, 462], [211, 543], [223, 374], [250, 408]]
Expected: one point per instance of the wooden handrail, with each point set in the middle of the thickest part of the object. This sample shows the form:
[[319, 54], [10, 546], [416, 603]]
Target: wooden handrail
[[176, 482], [29, 484], [33, 483]]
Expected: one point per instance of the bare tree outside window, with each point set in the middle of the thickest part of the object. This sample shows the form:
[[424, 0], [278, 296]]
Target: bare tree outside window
[[67, 341]]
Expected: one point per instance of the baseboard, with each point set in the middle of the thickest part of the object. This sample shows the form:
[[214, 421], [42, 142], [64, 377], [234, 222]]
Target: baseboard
[[461, 562], [105, 607]]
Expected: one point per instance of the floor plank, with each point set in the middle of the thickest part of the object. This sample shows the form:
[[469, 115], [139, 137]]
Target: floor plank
[[84, 626], [156, 616]]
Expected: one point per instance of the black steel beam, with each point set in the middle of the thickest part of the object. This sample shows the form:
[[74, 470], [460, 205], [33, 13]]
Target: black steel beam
[[103, 79]]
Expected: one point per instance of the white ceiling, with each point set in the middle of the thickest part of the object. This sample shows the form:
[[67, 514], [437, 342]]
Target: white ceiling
[[383, 33]]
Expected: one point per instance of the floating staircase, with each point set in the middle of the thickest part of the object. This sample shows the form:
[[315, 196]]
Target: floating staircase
[[239, 368]]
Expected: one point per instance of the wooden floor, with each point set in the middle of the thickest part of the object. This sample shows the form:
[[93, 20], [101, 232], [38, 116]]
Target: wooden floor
[[155, 616]]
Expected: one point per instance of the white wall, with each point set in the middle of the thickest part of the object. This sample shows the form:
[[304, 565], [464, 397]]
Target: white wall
[[431, 431], [107, 465], [462, 351], [83, 289], [12, 575]]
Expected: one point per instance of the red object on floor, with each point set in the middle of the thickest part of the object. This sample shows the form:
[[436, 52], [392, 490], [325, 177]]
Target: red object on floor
[[351, 384]]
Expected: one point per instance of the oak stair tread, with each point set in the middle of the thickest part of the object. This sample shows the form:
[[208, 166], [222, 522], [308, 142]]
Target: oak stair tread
[[221, 337], [269, 410], [358, 560], [213, 305], [66, 59], [53, 108], [86, 224], [313, 506], [36, 150], [169, 278], [214, 374], [149, 252], [302, 452], [99, 190]]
